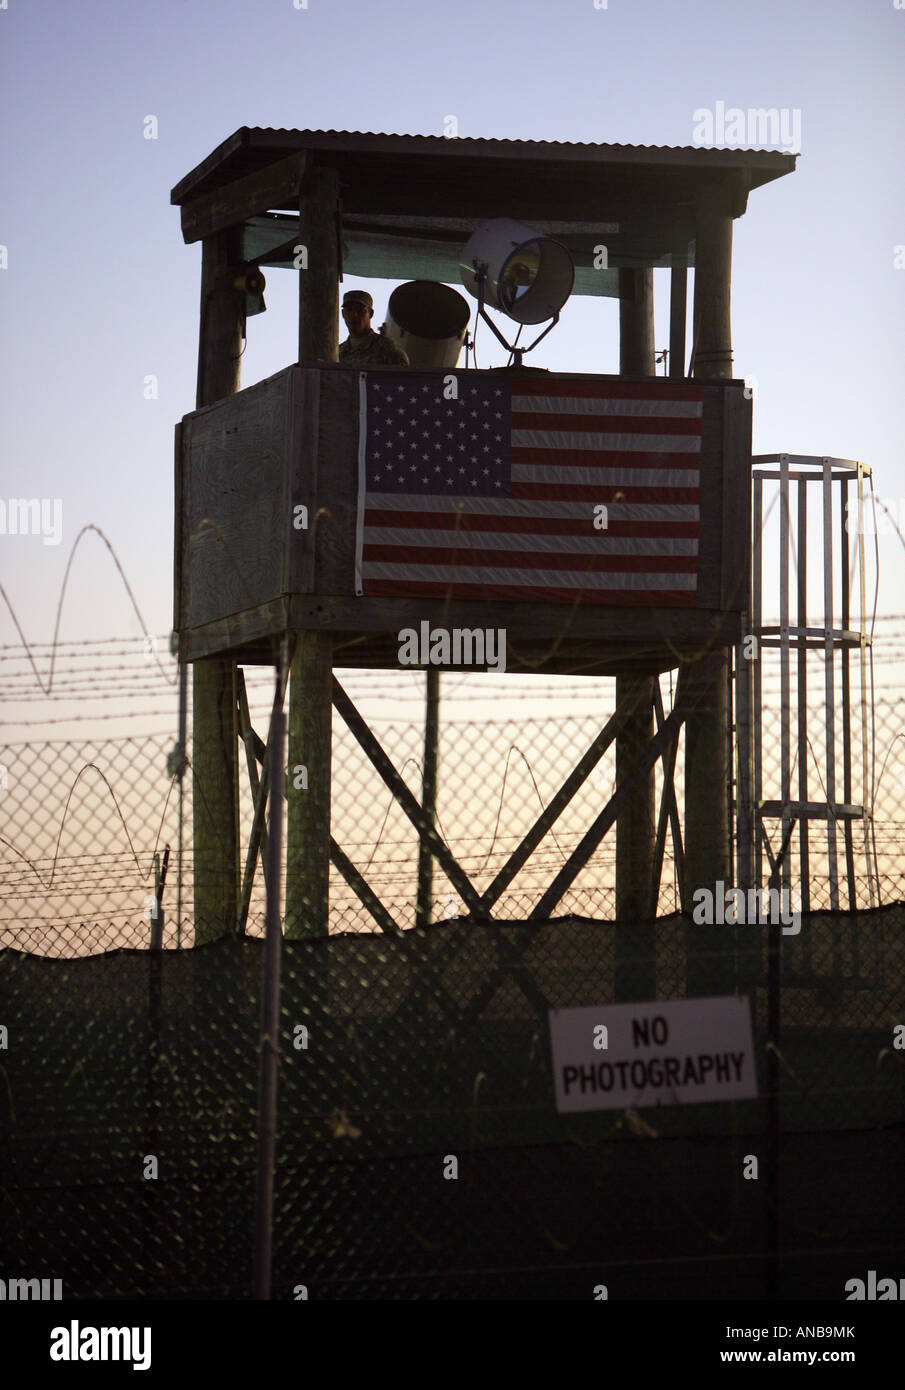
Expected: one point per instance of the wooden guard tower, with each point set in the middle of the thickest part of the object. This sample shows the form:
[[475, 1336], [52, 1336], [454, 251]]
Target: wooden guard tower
[[250, 463]]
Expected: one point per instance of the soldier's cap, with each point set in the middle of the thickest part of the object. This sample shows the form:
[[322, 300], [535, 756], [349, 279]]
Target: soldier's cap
[[358, 297]]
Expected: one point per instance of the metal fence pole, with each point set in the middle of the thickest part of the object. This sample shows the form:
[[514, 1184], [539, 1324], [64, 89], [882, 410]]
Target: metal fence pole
[[270, 1009], [155, 993], [182, 735], [773, 1231], [423, 907]]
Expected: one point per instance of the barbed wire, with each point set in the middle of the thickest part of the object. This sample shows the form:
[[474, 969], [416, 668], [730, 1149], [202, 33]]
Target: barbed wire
[[122, 574], [524, 752]]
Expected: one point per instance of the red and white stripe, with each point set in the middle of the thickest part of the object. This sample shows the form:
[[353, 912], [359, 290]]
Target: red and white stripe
[[574, 444]]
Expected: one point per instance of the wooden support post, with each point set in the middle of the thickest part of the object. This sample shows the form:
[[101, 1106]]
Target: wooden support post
[[428, 795], [310, 743], [712, 276], [270, 1002], [707, 857], [636, 322], [708, 861], [678, 299], [319, 269], [310, 688], [215, 740], [258, 752], [635, 826], [634, 935]]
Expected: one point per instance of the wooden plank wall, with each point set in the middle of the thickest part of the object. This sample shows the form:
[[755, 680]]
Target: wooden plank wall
[[337, 443], [235, 503], [292, 440]]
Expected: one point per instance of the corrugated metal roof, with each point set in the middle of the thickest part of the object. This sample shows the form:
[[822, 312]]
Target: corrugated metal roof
[[251, 148], [476, 140]]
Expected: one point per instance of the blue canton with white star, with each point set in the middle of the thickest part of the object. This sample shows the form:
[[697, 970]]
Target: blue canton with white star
[[419, 442]]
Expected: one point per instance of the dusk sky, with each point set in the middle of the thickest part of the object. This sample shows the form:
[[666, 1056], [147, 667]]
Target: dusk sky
[[100, 293]]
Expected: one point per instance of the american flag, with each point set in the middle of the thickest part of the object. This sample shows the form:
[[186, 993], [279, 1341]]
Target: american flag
[[493, 495]]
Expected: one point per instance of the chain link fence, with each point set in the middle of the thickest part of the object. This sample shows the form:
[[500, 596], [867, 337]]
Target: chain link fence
[[418, 1150], [419, 1153], [82, 822]]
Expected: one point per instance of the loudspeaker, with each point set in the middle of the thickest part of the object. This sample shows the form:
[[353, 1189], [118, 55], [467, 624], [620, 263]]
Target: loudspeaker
[[428, 321]]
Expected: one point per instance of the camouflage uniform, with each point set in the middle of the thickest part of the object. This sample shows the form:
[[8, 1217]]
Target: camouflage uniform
[[374, 350]]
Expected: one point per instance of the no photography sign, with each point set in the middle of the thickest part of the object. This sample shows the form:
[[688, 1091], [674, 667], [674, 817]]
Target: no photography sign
[[622, 1056]]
